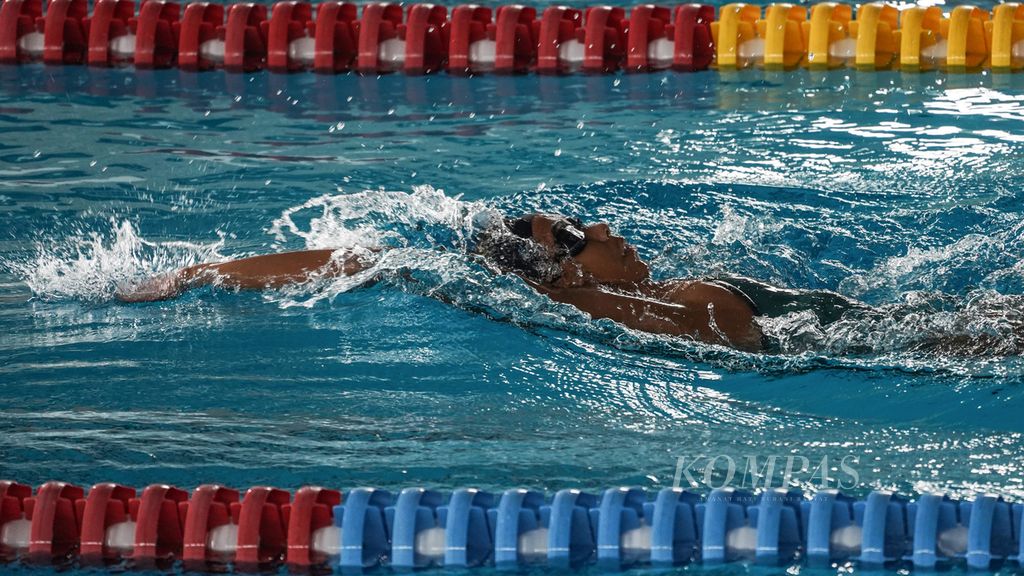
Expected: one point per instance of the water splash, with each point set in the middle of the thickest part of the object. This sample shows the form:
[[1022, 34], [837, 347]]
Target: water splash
[[425, 218], [90, 266]]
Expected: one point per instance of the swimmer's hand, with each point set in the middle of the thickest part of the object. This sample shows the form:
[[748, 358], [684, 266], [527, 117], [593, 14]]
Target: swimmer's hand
[[161, 287]]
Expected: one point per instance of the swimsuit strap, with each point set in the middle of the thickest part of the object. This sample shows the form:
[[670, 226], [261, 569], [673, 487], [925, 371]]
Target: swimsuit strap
[[737, 292], [767, 343]]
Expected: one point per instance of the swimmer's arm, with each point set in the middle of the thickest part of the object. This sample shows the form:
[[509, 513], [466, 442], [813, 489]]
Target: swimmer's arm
[[255, 273], [637, 313]]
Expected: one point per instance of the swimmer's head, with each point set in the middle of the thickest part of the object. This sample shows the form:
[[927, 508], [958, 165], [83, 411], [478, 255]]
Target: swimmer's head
[[557, 250], [508, 245]]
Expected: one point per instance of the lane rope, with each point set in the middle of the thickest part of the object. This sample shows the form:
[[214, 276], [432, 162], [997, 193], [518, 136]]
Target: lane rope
[[333, 37], [215, 528]]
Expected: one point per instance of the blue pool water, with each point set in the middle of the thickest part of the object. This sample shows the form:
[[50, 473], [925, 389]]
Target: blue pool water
[[899, 190]]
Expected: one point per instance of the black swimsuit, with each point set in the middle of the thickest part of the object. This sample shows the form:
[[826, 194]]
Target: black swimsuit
[[770, 301], [737, 292]]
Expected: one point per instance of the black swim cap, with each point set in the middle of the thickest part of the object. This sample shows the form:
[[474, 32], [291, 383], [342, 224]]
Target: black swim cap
[[510, 248]]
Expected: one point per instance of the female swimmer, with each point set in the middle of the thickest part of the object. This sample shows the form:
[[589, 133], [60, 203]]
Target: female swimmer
[[585, 266]]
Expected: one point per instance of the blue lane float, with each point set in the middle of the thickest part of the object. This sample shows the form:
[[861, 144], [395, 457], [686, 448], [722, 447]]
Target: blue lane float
[[675, 535], [364, 536], [420, 528], [883, 522], [833, 533]]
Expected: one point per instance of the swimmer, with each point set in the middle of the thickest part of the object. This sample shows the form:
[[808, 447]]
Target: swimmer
[[585, 266]]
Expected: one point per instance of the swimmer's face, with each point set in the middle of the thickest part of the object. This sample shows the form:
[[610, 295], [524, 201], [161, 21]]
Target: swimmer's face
[[605, 258]]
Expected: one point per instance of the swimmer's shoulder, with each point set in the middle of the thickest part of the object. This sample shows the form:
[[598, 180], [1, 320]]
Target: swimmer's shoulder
[[688, 291], [665, 290], [732, 314]]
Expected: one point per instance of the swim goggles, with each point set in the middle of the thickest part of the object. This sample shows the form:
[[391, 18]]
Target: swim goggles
[[568, 232], [569, 235]]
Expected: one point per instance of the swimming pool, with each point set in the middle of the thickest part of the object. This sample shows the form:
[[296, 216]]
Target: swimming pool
[[900, 190]]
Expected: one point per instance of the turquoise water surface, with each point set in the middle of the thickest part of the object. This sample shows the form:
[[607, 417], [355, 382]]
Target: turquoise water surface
[[903, 191]]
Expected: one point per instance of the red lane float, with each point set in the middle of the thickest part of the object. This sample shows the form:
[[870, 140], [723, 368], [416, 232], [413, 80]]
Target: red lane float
[[156, 34], [107, 529], [65, 36], [55, 523], [312, 510], [17, 21], [693, 44], [211, 533], [648, 46], [159, 523], [605, 39], [379, 45], [513, 33], [199, 46], [558, 47], [262, 527], [468, 33], [289, 47], [108, 32], [245, 41], [14, 526], [335, 45], [425, 35]]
